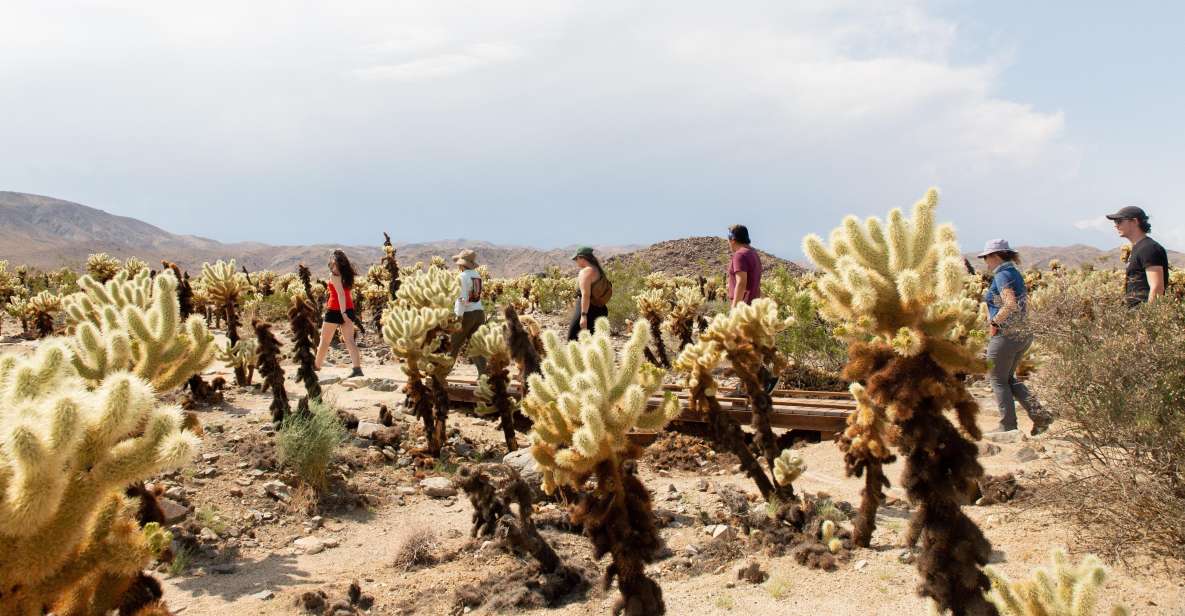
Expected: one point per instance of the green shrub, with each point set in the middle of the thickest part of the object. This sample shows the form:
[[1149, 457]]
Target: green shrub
[[808, 341], [628, 278], [306, 443], [1116, 379]]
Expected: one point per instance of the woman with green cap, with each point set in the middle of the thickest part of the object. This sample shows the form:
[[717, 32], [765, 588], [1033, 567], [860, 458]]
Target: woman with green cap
[[595, 290]]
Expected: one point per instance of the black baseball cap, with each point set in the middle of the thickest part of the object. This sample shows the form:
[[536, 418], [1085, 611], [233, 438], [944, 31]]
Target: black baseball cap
[[1129, 211]]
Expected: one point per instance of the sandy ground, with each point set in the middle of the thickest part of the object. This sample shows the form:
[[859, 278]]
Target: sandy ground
[[874, 582]]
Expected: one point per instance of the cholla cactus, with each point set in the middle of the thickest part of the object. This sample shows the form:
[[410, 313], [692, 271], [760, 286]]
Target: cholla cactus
[[134, 265], [1063, 589], [391, 265], [689, 302], [268, 363], [417, 326], [224, 288], [137, 332], [66, 454], [788, 468], [43, 307], [18, 308], [242, 357], [896, 293], [102, 266], [746, 335], [489, 343], [9, 284], [865, 443], [654, 308], [583, 404], [265, 282], [901, 285], [302, 319]]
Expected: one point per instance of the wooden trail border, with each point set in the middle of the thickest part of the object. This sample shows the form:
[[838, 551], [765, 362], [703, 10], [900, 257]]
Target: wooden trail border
[[825, 412]]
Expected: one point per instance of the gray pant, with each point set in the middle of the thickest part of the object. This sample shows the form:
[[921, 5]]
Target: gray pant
[[1004, 352], [470, 321]]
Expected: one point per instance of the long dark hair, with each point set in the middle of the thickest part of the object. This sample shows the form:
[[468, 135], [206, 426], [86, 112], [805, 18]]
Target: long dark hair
[[344, 269]]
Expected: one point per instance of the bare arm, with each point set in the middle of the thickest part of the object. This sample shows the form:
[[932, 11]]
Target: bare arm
[[740, 291], [585, 281], [1156, 285], [1008, 304]]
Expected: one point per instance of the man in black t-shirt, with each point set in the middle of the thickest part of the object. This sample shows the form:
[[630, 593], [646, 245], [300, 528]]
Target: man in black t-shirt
[[1148, 264]]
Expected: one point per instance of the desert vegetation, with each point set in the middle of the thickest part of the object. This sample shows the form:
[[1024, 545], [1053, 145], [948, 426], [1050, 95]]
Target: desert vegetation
[[653, 442]]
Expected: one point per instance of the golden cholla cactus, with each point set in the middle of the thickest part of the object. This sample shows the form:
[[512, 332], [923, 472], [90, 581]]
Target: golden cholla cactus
[[102, 266], [745, 336], [242, 355], [1063, 589], [42, 308], [689, 302], [587, 398], [9, 283], [89, 304], [654, 308], [788, 468], [222, 282], [18, 308], [583, 404], [437, 262], [489, 344], [417, 326], [865, 443], [134, 265], [149, 340], [265, 282], [67, 452], [900, 282], [897, 291]]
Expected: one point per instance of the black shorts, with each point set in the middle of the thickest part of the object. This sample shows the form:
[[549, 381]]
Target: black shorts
[[335, 316]]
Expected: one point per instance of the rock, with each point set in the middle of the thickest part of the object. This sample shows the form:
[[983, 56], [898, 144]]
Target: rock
[[390, 454], [438, 487], [243, 481], [174, 512], [388, 437], [406, 491], [367, 428], [208, 536], [380, 384], [330, 380], [277, 490], [316, 522], [523, 462], [1026, 454], [210, 458], [692, 550], [1011, 436], [236, 492], [702, 485], [310, 545], [723, 533], [861, 564], [175, 493], [987, 449], [207, 472], [906, 556], [264, 595]]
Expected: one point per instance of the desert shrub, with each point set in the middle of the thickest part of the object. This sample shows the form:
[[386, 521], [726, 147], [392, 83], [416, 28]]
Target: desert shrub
[[306, 442], [272, 308], [629, 279], [807, 342], [418, 549], [1116, 376], [553, 291]]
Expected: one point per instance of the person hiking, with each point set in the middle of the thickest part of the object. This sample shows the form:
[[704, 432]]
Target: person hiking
[[1148, 263], [744, 284], [1007, 301], [339, 312], [595, 290], [468, 305]]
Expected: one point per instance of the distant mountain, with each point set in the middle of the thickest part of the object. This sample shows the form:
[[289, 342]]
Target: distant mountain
[[49, 233], [1074, 256], [693, 256]]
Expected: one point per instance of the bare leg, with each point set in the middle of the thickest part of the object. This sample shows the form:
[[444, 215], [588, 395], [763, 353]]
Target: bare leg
[[351, 344], [327, 331]]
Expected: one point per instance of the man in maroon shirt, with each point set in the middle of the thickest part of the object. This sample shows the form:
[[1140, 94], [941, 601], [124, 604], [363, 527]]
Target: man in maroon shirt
[[744, 283], [744, 270]]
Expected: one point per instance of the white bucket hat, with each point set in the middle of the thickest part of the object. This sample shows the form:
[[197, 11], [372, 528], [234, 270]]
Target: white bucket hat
[[994, 246]]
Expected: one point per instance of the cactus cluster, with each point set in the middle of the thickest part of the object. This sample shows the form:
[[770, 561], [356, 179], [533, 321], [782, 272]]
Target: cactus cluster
[[896, 292], [134, 265], [1063, 589], [41, 309], [583, 403], [684, 314], [119, 326], [102, 266], [242, 356], [417, 326], [224, 288], [489, 343], [653, 307], [746, 336], [866, 442], [67, 451]]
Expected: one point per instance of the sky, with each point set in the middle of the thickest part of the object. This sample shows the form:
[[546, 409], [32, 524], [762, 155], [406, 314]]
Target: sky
[[558, 122]]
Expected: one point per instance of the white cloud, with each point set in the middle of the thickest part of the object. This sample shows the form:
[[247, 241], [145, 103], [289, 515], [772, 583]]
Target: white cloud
[[442, 64], [1099, 223]]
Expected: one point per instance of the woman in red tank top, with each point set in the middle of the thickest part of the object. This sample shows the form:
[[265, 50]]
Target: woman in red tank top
[[339, 311]]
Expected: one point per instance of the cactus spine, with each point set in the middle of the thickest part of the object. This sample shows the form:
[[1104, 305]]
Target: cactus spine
[[583, 403], [102, 266], [1061, 589], [895, 291]]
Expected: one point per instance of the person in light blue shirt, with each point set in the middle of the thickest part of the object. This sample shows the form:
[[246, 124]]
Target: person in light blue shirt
[[1007, 301]]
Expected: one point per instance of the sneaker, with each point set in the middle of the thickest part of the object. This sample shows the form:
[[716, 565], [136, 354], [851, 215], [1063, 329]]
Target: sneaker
[[1041, 423], [355, 372]]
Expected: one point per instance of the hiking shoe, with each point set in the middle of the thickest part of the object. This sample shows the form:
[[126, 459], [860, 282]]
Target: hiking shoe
[[1041, 424], [355, 372]]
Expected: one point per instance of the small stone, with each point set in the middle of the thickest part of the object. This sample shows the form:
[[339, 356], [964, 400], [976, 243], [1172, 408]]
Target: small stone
[[264, 595], [702, 485], [210, 458], [388, 385], [406, 491], [906, 556], [241, 466], [243, 481], [987, 449], [692, 550], [174, 512], [438, 487], [316, 521], [331, 380], [207, 536], [1011, 436], [310, 545], [723, 532], [366, 429], [277, 490], [236, 492], [1027, 454], [175, 493], [390, 454], [861, 564], [207, 472]]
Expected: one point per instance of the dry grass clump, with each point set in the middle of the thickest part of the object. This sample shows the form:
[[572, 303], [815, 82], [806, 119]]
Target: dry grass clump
[[1118, 378], [417, 550], [306, 443]]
